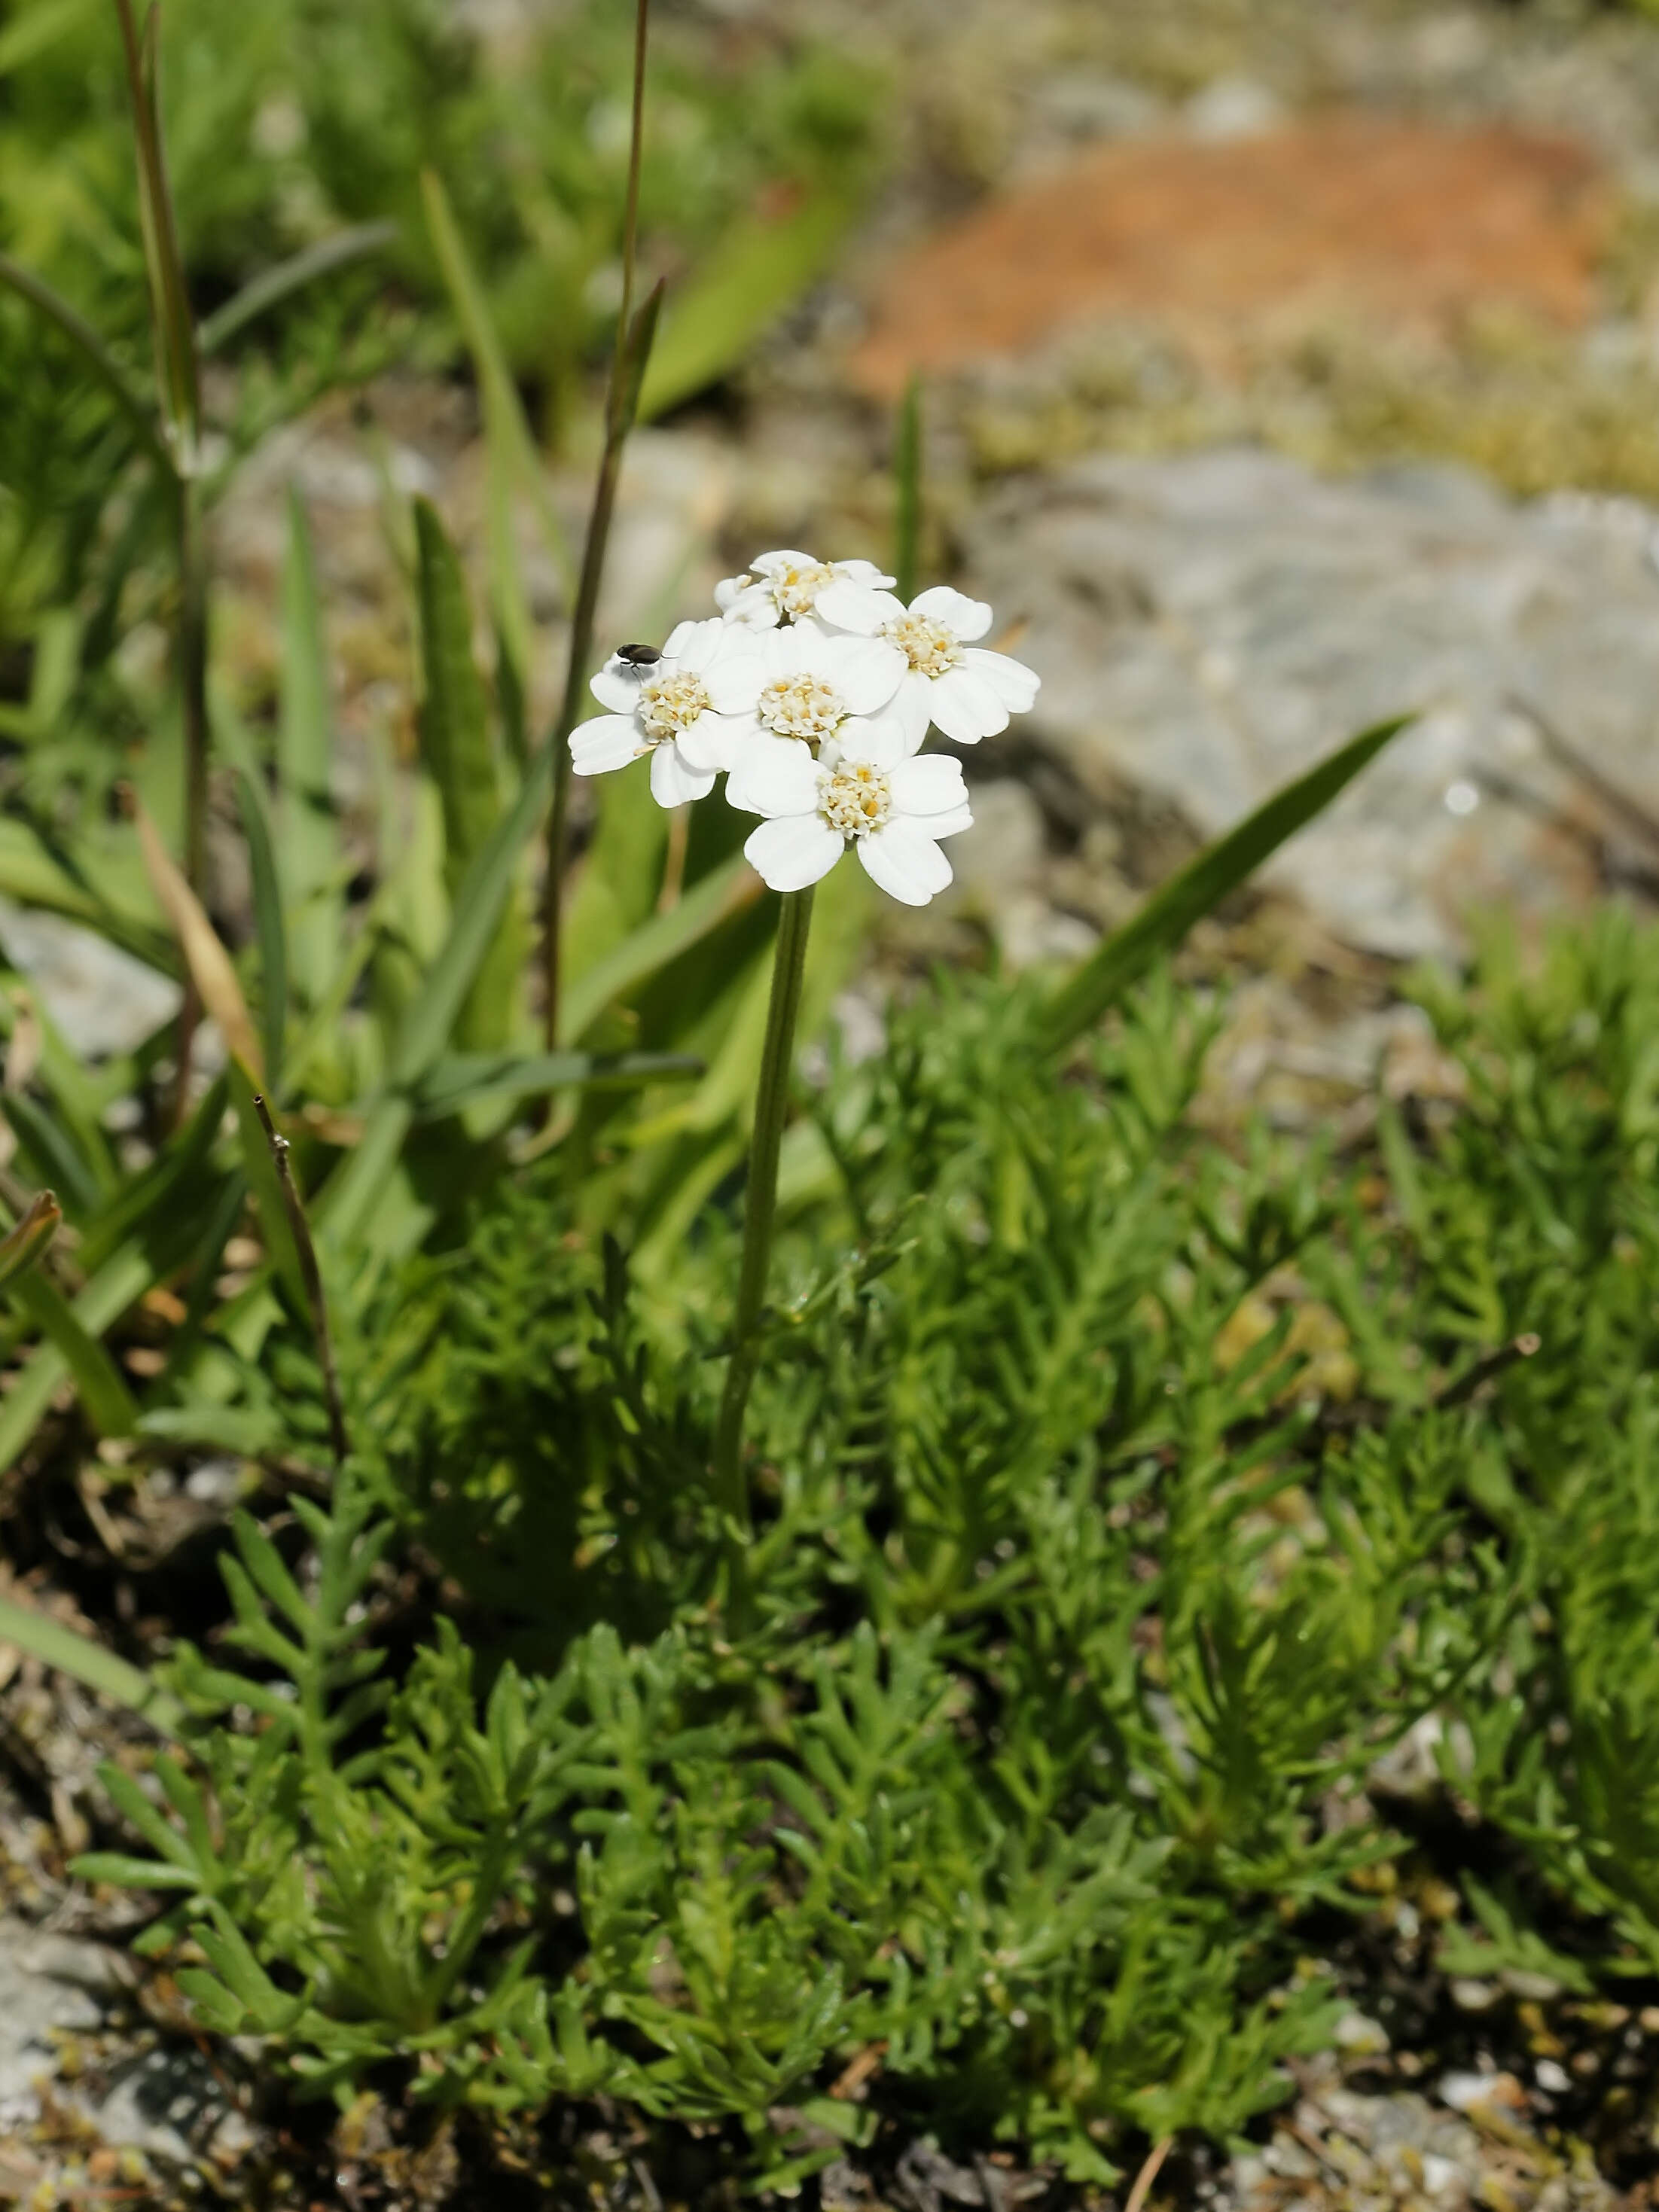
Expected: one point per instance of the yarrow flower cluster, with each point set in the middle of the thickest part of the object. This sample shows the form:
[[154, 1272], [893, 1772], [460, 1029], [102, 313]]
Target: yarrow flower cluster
[[813, 691]]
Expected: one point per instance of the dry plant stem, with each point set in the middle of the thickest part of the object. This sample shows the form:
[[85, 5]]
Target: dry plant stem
[[311, 1274], [618, 420], [192, 649], [771, 1110], [1152, 2166], [1526, 1346]]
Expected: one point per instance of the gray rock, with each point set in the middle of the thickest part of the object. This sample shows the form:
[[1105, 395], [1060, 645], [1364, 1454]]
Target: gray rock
[[58, 1990], [1208, 625], [101, 1000]]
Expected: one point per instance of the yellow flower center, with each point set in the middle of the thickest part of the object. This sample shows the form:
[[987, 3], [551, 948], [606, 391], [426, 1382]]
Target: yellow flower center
[[796, 590], [802, 705], [669, 704], [855, 799], [928, 646]]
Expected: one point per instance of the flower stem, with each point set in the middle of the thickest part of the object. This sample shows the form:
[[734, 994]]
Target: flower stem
[[771, 1109]]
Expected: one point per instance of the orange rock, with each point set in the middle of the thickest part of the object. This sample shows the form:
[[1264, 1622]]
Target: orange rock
[[1346, 216]]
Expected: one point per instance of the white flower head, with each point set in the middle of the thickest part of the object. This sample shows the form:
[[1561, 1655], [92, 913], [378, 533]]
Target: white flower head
[[785, 587], [812, 685], [864, 790], [949, 679], [688, 710]]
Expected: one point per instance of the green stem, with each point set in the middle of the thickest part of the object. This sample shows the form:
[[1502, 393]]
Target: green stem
[[771, 1110]]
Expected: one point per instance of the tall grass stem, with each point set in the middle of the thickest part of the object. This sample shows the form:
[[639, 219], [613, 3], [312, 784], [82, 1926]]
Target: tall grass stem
[[771, 1111]]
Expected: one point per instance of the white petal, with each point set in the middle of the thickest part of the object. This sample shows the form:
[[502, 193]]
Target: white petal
[[608, 741], [929, 783], [883, 741], [864, 571], [965, 707], [730, 590], [673, 781], [734, 680], [912, 707], [618, 686], [778, 564], [1014, 684], [674, 644], [697, 644], [965, 617], [905, 862], [865, 671], [790, 854], [851, 606], [948, 825], [786, 652], [754, 608], [707, 744], [773, 775]]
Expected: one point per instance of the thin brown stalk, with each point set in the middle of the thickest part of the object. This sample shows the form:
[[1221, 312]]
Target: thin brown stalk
[[1152, 2166], [621, 399], [312, 1276], [1485, 1370]]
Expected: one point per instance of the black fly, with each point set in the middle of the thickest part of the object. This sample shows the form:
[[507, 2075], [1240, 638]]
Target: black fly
[[639, 656]]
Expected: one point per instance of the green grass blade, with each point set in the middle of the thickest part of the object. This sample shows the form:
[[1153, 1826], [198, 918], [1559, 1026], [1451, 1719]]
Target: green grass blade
[[463, 1078], [25, 1246], [121, 1279], [267, 924], [269, 289], [759, 268], [1201, 886], [110, 1406], [307, 843], [175, 328], [726, 890], [460, 759], [105, 368], [514, 461], [71, 1653], [907, 487], [348, 1203]]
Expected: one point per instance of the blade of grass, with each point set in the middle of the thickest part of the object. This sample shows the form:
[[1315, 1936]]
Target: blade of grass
[[56, 1646], [175, 334], [460, 759], [723, 892], [105, 368], [110, 1406], [308, 854], [462, 1078], [273, 286], [759, 267], [515, 464], [1120, 962], [116, 1286]]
